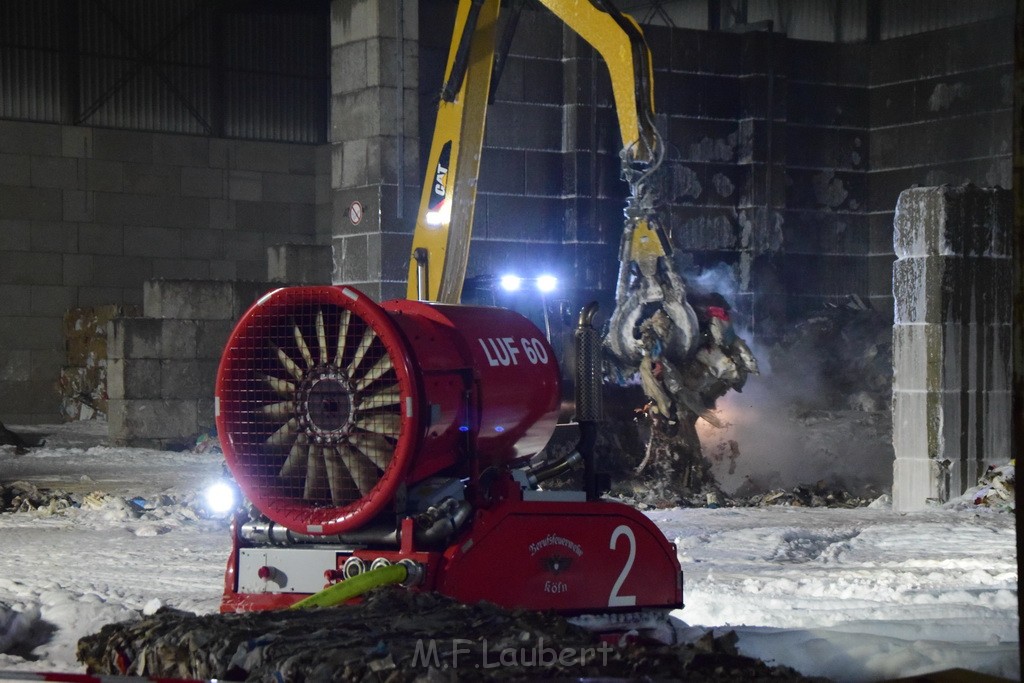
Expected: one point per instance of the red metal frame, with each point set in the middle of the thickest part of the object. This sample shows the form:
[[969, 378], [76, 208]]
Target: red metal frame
[[571, 557]]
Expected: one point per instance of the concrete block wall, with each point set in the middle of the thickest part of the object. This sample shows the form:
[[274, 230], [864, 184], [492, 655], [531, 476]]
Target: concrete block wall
[[162, 367], [951, 340], [374, 147], [87, 215], [787, 155], [940, 108]]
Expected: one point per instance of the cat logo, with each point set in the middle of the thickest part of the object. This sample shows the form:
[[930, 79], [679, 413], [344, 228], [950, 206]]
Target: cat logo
[[437, 195]]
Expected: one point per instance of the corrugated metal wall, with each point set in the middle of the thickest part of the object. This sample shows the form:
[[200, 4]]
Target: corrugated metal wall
[[30, 60], [906, 17], [256, 70], [843, 21]]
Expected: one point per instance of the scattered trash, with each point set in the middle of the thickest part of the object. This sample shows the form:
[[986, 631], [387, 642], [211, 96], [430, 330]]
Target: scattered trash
[[24, 497], [995, 489]]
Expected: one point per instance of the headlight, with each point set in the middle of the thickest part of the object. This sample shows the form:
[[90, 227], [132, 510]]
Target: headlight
[[221, 498]]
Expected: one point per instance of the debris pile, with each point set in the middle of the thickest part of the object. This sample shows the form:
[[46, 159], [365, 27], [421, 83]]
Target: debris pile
[[24, 497], [398, 635], [995, 488], [844, 356], [83, 380], [820, 494]]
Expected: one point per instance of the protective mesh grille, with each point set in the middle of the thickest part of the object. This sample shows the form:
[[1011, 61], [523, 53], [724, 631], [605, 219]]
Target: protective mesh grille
[[315, 405]]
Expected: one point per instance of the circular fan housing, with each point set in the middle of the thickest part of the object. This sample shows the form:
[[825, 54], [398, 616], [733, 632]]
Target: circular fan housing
[[328, 402]]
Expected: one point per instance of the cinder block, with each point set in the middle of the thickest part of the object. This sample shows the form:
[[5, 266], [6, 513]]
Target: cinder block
[[122, 145], [350, 259], [78, 206], [245, 186], [29, 399], [156, 242], [76, 141], [101, 239], [154, 211], [193, 269], [53, 300], [135, 421], [355, 164], [211, 336], [17, 300], [20, 137], [29, 268], [288, 187], [54, 172], [192, 379], [199, 299], [181, 150], [15, 169], [271, 217], [35, 203], [135, 338], [15, 235], [54, 236], [152, 179], [202, 182], [955, 289], [133, 378], [917, 483], [102, 176], [349, 67], [205, 414], [299, 263], [190, 299], [15, 365], [953, 221], [178, 339], [357, 20]]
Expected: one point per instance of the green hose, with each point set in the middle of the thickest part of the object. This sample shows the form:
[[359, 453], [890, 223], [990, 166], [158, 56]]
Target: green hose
[[356, 586]]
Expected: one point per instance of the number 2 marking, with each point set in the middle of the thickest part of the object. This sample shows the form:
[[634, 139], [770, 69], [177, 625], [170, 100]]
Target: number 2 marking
[[616, 600]]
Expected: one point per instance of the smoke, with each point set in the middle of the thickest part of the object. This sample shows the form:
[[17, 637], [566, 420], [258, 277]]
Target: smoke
[[818, 410], [773, 440], [719, 278]]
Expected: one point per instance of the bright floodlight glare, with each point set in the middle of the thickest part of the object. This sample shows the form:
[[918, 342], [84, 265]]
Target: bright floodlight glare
[[220, 497], [547, 283], [511, 283]]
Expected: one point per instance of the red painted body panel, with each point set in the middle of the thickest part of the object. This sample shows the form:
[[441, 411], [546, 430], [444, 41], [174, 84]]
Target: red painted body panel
[[572, 557]]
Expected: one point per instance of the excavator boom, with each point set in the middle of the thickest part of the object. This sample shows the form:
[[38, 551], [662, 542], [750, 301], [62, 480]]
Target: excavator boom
[[440, 249]]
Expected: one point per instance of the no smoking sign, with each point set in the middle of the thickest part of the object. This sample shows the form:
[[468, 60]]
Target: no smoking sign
[[355, 212]]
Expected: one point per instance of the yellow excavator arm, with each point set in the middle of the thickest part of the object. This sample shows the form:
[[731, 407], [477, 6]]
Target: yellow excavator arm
[[440, 248]]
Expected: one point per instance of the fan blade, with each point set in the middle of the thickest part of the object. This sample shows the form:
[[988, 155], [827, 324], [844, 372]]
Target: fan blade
[[283, 387], [321, 337], [315, 472], [364, 344], [284, 434], [296, 456], [376, 372], [342, 337], [293, 369], [300, 341], [388, 397], [388, 424], [282, 409], [375, 447], [341, 484], [362, 470]]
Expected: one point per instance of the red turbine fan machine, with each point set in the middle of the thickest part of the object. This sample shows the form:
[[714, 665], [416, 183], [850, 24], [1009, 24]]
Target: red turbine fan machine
[[367, 435]]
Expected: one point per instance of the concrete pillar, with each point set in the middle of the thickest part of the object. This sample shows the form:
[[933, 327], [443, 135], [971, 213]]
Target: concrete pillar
[[374, 142], [951, 340]]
